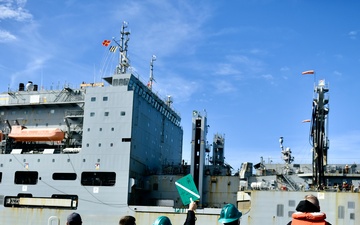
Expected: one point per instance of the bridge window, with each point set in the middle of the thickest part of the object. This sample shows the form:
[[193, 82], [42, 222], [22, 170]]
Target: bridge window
[[64, 176], [26, 177], [98, 178]]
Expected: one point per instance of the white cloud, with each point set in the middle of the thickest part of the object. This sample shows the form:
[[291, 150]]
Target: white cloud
[[353, 34], [6, 36], [337, 73], [14, 10], [284, 68], [267, 76], [224, 86], [226, 69]]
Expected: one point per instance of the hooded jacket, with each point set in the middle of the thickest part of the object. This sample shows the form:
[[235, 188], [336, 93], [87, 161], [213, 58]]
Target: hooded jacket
[[307, 214]]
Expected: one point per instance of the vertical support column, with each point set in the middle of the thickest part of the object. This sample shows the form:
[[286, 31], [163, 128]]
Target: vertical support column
[[198, 145]]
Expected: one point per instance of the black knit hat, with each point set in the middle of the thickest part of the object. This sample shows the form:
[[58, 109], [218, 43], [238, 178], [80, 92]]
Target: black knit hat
[[74, 219]]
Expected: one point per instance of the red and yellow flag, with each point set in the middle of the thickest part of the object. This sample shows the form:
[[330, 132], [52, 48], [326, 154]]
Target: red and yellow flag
[[106, 43]]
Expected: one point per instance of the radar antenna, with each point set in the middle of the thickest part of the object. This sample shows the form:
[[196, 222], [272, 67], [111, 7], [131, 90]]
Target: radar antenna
[[151, 79]]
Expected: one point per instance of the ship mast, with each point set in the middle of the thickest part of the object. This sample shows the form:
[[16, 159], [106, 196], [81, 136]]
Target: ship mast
[[123, 48], [151, 79], [318, 133]]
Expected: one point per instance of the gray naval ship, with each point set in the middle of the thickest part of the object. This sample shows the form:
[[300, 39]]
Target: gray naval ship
[[111, 149]]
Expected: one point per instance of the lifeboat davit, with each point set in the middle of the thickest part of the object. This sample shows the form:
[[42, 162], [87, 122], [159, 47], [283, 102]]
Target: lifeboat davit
[[21, 133]]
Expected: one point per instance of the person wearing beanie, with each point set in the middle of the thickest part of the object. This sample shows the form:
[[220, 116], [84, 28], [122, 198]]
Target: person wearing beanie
[[127, 220], [308, 212], [74, 219]]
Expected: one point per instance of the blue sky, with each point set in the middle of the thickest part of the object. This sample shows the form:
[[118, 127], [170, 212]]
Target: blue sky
[[240, 60]]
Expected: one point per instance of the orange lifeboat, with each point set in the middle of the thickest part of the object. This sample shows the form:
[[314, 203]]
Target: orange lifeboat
[[21, 133]]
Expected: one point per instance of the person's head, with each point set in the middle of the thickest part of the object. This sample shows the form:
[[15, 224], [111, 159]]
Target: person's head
[[313, 199], [74, 219], [162, 220], [230, 215], [127, 220], [309, 204]]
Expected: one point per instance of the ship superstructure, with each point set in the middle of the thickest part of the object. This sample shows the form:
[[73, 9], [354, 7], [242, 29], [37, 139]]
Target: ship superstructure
[[84, 148]]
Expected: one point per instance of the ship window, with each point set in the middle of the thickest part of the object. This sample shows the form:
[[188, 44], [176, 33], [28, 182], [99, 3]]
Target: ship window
[[0, 177], [106, 114], [52, 111], [87, 145], [351, 205], [112, 129], [280, 210], [99, 144], [26, 177], [105, 98], [111, 144], [93, 99], [122, 113], [291, 203], [341, 212], [92, 114], [98, 178], [100, 129], [290, 213], [126, 140], [352, 216], [64, 176], [88, 129]]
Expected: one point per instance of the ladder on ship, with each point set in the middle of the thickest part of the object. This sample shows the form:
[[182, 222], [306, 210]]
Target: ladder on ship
[[289, 182]]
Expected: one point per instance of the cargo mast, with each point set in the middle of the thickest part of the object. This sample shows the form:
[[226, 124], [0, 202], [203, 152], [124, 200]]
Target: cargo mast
[[318, 132]]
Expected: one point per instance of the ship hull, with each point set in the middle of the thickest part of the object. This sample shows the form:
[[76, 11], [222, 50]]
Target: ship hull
[[266, 207]]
